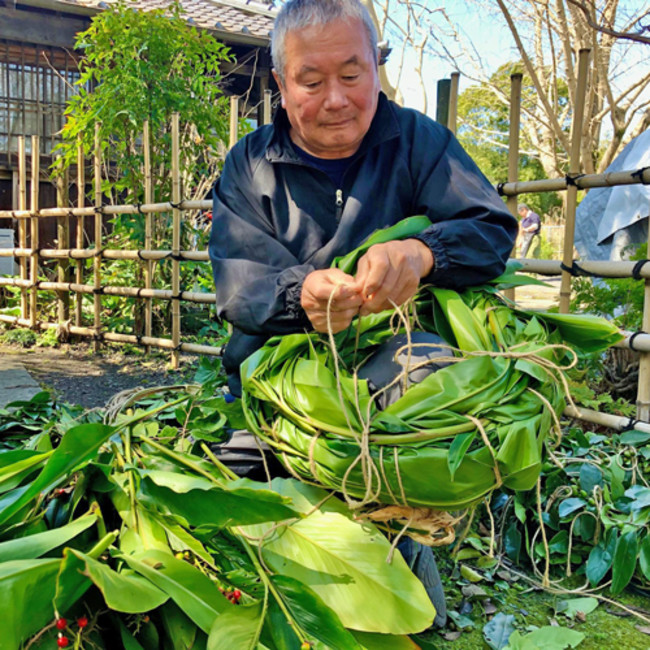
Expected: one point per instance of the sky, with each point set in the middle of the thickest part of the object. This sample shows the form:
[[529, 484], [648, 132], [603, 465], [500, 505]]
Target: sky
[[495, 45]]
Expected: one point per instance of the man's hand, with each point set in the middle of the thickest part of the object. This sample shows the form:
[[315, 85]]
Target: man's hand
[[316, 291], [390, 273]]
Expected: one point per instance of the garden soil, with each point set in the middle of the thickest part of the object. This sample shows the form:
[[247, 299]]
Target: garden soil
[[75, 374]]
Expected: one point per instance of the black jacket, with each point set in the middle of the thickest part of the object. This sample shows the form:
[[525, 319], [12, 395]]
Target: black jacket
[[276, 218]]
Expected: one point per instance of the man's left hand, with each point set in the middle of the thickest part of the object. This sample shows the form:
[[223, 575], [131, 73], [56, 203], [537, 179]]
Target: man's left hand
[[390, 273]]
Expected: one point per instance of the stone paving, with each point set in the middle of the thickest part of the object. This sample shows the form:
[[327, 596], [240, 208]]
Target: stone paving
[[16, 384]]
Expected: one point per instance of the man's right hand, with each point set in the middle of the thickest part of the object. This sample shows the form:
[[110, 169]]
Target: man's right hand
[[316, 292]]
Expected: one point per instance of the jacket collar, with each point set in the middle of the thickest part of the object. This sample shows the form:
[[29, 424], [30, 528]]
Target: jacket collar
[[384, 127]]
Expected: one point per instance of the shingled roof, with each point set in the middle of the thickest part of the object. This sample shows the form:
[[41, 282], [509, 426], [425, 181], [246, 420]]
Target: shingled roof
[[245, 20]]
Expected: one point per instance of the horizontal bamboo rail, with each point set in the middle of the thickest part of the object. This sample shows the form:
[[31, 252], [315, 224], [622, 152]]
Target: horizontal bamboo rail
[[109, 254], [114, 337]]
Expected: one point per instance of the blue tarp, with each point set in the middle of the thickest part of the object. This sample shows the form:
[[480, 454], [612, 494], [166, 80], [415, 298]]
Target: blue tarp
[[610, 220]]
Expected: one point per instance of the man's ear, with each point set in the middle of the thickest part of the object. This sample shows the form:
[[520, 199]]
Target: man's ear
[[278, 81]]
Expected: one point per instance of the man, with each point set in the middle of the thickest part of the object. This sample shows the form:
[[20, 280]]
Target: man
[[339, 162], [530, 225]]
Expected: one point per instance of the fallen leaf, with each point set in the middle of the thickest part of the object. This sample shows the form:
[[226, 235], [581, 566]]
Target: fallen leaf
[[452, 636], [643, 628]]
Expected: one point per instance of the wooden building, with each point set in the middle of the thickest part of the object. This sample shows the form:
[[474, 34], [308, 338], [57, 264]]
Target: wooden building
[[38, 68]]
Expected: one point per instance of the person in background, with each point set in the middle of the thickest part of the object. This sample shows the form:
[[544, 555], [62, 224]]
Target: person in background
[[530, 226], [339, 162]]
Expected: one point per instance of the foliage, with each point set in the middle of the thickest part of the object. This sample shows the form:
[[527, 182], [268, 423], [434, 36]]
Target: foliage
[[22, 337], [596, 509], [620, 299], [483, 131], [116, 530]]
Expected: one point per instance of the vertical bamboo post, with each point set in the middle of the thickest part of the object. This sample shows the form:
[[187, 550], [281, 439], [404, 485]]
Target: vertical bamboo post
[[267, 106], [63, 242], [234, 121], [33, 221], [574, 169], [81, 226], [513, 148], [148, 230], [643, 390], [176, 242], [97, 260], [22, 223], [452, 116]]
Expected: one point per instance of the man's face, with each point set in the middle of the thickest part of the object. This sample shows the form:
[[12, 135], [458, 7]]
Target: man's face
[[331, 87]]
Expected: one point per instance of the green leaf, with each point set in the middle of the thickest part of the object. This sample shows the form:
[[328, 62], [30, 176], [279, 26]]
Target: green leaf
[[238, 628], [600, 559], [26, 591], [624, 561], [188, 587], [312, 615], [343, 561], [77, 446], [457, 450], [644, 556], [568, 506], [497, 631], [590, 477], [180, 630], [33, 546], [123, 592], [546, 638], [201, 502], [634, 438], [370, 641], [572, 606]]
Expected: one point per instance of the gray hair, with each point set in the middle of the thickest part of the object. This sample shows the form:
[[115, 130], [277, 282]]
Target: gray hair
[[521, 207], [298, 14]]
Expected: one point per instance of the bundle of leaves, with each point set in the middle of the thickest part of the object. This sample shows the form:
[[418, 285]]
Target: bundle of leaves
[[128, 533], [465, 430], [595, 504]]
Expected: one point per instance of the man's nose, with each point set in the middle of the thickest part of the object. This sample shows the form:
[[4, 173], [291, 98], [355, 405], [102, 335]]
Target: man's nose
[[336, 96]]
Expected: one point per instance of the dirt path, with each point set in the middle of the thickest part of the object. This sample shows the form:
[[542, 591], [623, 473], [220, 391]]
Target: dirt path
[[78, 376]]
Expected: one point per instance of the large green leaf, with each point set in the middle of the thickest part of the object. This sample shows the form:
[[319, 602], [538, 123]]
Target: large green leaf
[[201, 502], [77, 446], [546, 638], [624, 561], [370, 641], [238, 628], [27, 588], [345, 563], [123, 592], [33, 546], [188, 587], [312, 615]]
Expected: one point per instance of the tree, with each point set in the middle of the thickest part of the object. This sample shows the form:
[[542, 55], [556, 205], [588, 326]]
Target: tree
[[147, 65], [547, 35]]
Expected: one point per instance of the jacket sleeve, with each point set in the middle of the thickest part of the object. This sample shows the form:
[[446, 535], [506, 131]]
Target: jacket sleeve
[[258, 281], [473, 232]]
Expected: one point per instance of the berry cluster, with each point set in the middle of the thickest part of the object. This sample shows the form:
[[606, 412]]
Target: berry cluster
[[233, 595], [61, 624]]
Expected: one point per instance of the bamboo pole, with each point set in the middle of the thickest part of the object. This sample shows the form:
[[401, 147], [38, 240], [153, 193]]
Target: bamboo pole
[[176, 241], [452, 115], [81, 226], [148, 198], [114, 337], [234, 121], [63, 242], [574, 170], [268, 94], [643, 387], [84, 253], [22, 224], [513, 149], [97, 262], [34, 242], [613, 421]]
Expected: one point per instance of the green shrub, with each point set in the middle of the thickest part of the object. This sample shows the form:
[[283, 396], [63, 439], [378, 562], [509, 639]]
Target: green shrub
[[21, 337]]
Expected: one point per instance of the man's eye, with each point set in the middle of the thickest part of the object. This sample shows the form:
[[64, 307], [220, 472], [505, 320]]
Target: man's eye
[[313, 84], [350, 77]]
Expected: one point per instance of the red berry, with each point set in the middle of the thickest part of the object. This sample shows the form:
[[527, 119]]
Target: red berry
[[62, 641], [82, 621], [236, 594], [61, 623]]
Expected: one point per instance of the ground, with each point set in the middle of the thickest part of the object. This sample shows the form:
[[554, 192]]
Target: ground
[[78, 376]]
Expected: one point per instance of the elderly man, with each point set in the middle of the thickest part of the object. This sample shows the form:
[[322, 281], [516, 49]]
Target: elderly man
[[339, 162], [530, 225]]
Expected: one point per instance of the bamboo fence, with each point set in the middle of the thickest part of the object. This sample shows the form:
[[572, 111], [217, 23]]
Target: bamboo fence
[[67, 258]]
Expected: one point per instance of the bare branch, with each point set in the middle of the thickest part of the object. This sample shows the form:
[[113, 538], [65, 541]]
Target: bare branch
[[638, 38]]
